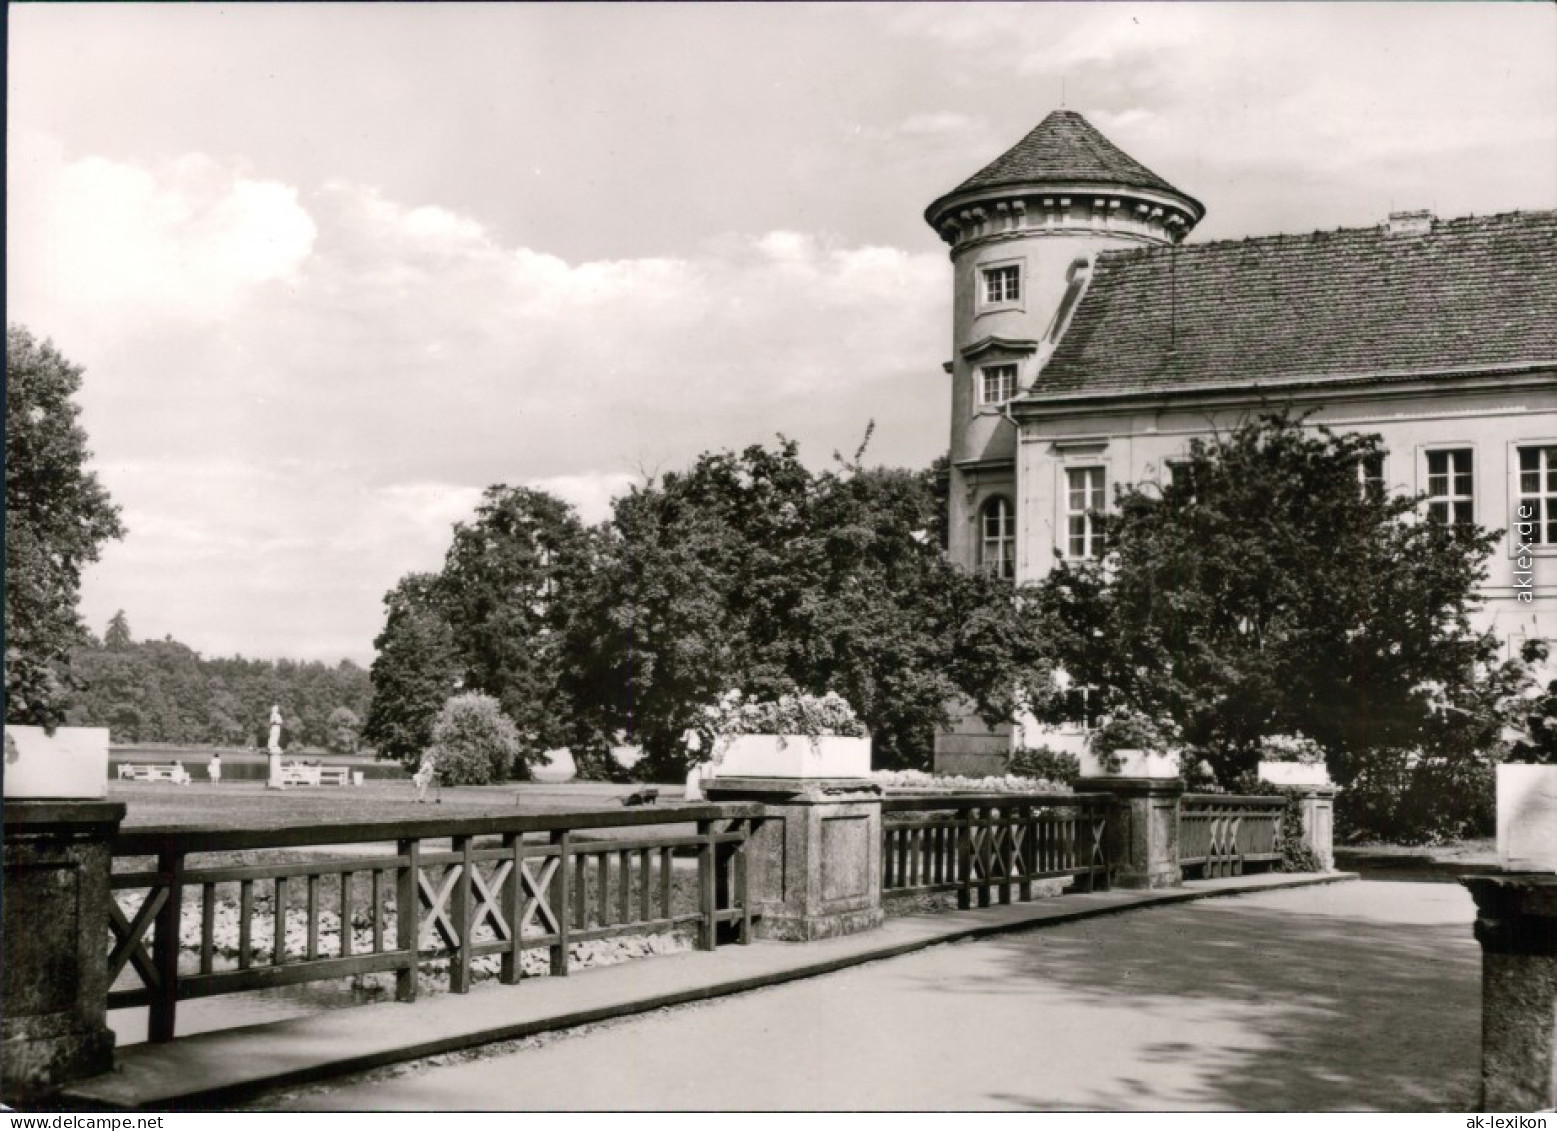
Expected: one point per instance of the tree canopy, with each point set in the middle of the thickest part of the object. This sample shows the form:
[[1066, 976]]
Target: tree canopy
[[164, 691], [504, 590], [751, 572], [747, 571], [416, 669], [57, 517]]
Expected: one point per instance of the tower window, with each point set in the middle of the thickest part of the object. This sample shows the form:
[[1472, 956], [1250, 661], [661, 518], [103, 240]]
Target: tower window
[[1003, 284], [997, 384], [1083, 504], [997, 541], [1451, 492]]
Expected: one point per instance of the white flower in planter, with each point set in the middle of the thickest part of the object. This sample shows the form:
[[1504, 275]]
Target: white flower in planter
[[759, 738]]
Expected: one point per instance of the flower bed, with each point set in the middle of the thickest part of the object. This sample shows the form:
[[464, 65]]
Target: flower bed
[[917, 781]]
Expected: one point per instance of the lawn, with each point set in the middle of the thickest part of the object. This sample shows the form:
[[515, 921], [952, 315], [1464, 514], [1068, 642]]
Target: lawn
[[249, 804]]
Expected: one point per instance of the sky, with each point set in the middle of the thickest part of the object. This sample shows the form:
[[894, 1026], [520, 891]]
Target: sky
[[332, 269]]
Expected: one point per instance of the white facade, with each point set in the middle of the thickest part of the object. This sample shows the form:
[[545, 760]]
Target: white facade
[[1489, 416]]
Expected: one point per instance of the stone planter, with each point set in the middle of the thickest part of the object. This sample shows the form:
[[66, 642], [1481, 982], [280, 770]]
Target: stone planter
[[1527, 817], [71, 763], [1129, 764], [793, 756], [1294, 773]]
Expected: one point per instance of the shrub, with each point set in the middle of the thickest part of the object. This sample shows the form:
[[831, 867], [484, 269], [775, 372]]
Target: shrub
[[1046, 765], [1295, 855], [1536, 717], [343, 727], [473, 742], [1291, 748], [1130, 730], [1411, 797]]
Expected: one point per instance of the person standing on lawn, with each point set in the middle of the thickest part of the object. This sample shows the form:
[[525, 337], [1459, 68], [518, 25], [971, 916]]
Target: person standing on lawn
[[215, 768], [424, 776]]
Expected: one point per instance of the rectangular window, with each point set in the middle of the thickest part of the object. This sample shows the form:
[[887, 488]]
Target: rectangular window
[[997, 384], [1451, 488], [1181, 476], [1084, 705], [1002, 284], [1370, 473], [1538, 490], [1083, 503], [997, 553]]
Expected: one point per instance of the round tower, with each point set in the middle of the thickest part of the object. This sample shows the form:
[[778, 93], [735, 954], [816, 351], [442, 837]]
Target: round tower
[[1023, 233]]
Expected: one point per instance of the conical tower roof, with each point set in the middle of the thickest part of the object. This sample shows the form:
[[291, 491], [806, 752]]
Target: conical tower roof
[[1065, 148], [1065, 151]]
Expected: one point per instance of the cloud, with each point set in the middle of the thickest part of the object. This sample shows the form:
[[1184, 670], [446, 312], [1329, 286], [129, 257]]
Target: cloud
[[1282, 116], [295, 393], [590, 495], [937, 123], [121, 244]]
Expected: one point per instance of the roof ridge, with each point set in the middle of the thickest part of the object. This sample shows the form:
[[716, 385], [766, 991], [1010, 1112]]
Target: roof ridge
[[1472, 294], [1189, 247]]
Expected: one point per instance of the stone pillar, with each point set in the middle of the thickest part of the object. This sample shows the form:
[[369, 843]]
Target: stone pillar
[[1143, 829], [816, 857], [1516, 924], [1319, 823], [54, 1029]]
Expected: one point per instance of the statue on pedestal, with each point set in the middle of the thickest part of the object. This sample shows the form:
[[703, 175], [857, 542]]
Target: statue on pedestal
[[274, 748]]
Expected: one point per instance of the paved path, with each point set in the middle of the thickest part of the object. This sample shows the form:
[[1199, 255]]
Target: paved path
[[1360, 996], [222, 1067]]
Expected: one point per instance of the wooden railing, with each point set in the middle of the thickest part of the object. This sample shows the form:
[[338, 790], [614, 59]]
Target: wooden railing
[[479, 886], [1228, 834], [985, 845]]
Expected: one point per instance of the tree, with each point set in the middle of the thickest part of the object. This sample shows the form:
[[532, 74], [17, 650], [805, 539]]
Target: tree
[[474, 742], [895, 628], [343, 731], [504, 591], [649, 639], [750, 572], [117, 637], [57, 516], [1265, 592], [416, 669]]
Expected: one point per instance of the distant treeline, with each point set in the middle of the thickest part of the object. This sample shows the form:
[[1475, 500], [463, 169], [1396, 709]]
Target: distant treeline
[[164, 691]]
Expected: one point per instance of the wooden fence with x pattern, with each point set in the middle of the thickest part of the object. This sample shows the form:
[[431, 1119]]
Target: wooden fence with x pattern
[[1225, 834], [502, 886], [993, 846]]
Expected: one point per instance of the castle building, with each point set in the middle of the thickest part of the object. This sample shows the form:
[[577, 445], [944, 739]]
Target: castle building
[[1092, 341]]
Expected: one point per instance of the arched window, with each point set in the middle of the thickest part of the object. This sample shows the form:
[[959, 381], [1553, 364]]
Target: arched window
[[997, 538]]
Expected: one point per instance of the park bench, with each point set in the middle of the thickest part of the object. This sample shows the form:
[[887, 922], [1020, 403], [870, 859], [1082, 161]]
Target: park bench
[[155, 772], [300, 773]]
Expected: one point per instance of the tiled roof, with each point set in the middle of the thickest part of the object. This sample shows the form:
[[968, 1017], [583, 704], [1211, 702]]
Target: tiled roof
[[1473, 293], [1064, 148]]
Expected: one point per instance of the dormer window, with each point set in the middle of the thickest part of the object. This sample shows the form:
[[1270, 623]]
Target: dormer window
[[997, 384], [1002, 284]]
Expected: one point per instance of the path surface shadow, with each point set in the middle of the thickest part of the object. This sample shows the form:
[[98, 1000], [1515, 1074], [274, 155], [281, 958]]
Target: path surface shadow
[[1365, 998]]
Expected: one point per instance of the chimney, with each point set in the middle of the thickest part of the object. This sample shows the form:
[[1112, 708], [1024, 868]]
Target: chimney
[[1418, 223]]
